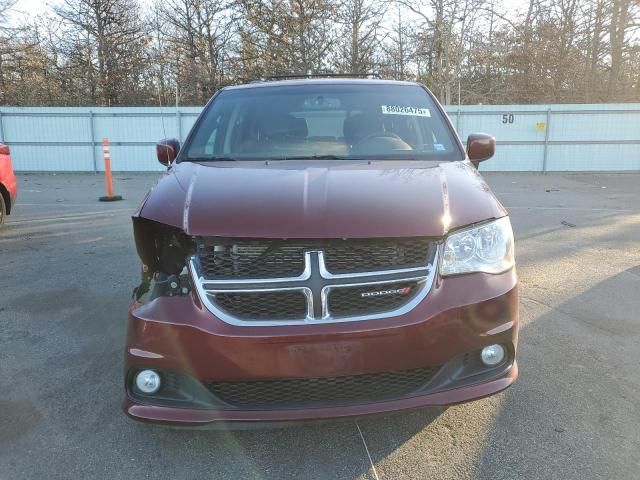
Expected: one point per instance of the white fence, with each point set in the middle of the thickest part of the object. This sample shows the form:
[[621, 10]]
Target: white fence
[[530, 137]]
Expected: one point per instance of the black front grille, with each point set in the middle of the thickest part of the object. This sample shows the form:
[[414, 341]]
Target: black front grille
[[252, 259], [349, 256], [370, 299], [311, 392], [277, 305], [270, 258]]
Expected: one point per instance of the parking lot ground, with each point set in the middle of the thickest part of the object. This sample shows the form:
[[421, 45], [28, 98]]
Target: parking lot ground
[[68, 266]]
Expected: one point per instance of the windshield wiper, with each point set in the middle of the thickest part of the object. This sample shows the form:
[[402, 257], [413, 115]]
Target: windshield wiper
[[317, 157], [211, 159], [270, 159]]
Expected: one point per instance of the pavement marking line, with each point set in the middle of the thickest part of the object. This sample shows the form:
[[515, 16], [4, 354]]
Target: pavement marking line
[[89, 240], [76, 216], [57, 204], [373, 467]]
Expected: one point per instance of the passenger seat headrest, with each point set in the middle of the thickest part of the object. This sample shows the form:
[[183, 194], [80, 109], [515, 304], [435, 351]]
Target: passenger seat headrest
[[282, 125]]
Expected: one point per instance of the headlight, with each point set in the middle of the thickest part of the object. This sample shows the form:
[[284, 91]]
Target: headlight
[[486, 248]]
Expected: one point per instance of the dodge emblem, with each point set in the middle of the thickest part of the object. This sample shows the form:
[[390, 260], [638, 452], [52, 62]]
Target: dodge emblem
[[380, 293]]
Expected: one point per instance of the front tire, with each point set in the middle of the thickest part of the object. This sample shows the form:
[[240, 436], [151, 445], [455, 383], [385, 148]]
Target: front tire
[[3, 210]]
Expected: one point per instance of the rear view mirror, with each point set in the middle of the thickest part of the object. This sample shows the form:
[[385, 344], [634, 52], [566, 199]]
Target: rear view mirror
[[480, 147], [4, 149], [167, 150]]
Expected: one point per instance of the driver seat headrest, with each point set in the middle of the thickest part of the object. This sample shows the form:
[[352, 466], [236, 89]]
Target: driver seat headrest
[[360, 125]]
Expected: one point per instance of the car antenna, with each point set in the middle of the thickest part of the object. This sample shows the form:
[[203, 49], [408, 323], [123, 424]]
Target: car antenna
[[164, 131]]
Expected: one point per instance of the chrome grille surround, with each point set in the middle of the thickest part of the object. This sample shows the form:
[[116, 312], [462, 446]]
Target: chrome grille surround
[[315, 283]]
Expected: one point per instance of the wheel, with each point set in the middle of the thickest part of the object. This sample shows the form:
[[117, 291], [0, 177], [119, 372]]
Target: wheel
[[3, 210]]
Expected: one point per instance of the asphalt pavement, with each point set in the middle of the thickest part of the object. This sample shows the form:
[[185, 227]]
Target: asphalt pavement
[[68, 266]]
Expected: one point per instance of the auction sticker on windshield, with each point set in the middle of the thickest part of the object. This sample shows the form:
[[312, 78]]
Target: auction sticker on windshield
[[405, 110]]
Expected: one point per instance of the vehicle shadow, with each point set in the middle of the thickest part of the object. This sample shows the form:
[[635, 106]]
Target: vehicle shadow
[[326, 449], [574, 411]]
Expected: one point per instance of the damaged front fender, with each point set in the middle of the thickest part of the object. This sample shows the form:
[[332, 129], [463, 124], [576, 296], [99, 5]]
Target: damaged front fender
[[163, 250]]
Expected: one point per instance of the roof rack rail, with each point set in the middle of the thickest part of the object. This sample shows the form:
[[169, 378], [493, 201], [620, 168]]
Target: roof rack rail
[[320, 75]]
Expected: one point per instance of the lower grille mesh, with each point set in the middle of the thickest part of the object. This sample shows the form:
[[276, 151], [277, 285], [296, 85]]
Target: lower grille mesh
[[279, 305], [309, 392]]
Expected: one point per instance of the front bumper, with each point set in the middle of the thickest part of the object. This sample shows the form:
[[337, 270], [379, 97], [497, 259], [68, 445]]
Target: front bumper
[[461, 315]]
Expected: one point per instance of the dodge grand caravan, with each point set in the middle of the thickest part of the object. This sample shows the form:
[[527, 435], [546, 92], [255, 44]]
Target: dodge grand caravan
[[316, 249]]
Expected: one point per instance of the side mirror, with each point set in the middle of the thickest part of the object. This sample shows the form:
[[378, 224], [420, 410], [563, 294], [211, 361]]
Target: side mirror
[[4, 149], [480, 147], [167, 150]]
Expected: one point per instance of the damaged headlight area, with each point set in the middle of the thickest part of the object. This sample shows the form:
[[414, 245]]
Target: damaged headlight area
[[164, 251]]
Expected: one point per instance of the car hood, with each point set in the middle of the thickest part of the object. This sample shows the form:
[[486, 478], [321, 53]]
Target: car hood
[[321, 200]]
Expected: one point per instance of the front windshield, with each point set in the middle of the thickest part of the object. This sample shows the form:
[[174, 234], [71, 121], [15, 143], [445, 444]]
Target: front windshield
[[332, 121]]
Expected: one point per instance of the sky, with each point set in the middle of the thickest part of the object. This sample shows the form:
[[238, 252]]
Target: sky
[[31, 6]]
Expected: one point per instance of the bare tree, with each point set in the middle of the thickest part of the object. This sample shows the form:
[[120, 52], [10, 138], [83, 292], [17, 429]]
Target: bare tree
[[105, 42], [7, 46], [289, 36], [198, 35], [397, 50], [108, 52], [361, 35], [445, 29], [619, 25]]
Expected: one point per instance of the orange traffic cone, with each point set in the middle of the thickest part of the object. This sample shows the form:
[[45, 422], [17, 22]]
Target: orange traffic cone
[[110, 197]]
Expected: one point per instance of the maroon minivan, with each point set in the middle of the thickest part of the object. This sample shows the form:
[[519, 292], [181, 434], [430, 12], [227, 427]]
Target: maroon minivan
[[317, 249]]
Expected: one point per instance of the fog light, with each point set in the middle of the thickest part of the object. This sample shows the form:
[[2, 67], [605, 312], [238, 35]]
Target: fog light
[[148, 381], [492, 355]]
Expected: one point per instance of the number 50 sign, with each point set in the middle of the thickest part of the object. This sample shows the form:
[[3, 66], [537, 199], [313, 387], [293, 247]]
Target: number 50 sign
[[507, 118]]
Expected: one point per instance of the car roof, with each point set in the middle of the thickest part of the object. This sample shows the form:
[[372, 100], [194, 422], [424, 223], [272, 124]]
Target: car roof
[[318, 81]]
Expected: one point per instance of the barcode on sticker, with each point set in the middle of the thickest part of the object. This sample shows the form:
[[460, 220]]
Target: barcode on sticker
[[405, 110]]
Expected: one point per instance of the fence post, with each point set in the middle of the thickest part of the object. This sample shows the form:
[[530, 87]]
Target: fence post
[[1, 129], [93, 142], [458, 122], [546, 142]]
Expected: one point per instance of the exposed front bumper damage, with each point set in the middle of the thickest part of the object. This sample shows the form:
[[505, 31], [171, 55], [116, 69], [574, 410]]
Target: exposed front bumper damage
[[459, 317]]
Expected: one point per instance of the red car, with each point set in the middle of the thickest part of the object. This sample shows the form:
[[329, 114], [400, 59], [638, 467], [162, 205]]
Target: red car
[[317, 249], [8, 183]]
